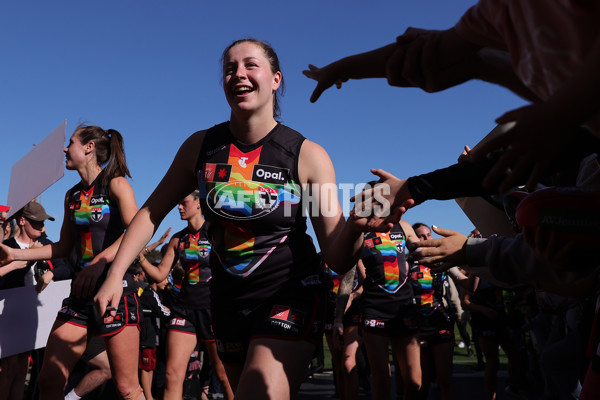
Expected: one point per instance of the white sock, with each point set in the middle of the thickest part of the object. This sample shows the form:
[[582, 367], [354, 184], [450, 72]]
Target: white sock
[[72, 395]]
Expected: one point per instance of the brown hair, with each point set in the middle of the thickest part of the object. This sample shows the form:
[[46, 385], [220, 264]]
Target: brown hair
[[273, 61], [109, 150]]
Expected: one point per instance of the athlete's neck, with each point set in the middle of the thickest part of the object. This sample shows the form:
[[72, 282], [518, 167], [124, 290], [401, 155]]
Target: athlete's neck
[[196, 222], [252, 129], [89, 173]]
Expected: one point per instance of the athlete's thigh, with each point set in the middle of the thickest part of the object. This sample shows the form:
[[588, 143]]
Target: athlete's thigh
[[377, 351], [123, 355], [180, 346], [274, 368], [408, 353], [65, 346]]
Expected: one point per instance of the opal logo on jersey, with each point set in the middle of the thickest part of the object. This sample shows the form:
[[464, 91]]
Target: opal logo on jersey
[[396, 236], [98, 200], [269, 174]]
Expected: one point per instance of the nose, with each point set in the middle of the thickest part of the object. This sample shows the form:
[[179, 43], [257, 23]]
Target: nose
[[240, 72]]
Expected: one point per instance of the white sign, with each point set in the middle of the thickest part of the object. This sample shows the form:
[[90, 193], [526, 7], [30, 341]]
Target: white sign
[[38, 170], [26, 317]]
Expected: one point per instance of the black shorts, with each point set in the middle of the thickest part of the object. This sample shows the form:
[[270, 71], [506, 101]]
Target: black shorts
[[435, 328], [406, 323], [290, 316], [193, 322], [83, 313]]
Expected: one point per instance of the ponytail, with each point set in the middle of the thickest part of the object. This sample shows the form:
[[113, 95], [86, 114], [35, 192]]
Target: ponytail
[[109, 150]]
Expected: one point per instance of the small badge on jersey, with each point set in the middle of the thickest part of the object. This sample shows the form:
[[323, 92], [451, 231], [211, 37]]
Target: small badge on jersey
[[270, 174], [203, 251], [96, 214], [216, 172], [370, 243]]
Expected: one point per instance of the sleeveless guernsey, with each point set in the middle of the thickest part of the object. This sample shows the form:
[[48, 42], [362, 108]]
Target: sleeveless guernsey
[[95, 218], [251, 196], [385, 291], [194, 250], [428, 288]]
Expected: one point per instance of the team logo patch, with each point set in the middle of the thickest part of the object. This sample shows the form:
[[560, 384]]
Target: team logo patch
[[267, 198], [203, 251], [96, 214]]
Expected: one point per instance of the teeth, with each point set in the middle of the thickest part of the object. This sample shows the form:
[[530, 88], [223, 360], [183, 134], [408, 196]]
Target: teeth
[[242, 89]]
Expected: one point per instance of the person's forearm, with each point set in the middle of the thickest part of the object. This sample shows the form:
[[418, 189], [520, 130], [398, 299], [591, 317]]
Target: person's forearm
[[47, 252], [13, 266], [458, 180], [370, 64], [344, 250], [157, 273], [497, 68]]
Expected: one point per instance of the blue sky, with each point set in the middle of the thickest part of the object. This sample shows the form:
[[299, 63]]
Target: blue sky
[[150, 69]]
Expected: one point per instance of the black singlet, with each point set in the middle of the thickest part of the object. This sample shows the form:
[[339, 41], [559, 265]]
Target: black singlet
[[194, 251], [385, 290], [95, 218], [251, 196]]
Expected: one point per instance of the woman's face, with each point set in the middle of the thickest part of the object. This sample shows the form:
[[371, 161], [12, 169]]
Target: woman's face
[[249, 83], [188, 207], [75, 152]]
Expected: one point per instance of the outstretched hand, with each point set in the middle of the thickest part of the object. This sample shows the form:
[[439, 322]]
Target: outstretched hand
[[326, 77], [441, 254], [533, 145], [379, 207]]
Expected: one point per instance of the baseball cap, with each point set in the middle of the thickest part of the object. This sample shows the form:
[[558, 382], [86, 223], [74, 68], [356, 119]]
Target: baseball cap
[[4, 208], [35, 212]]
